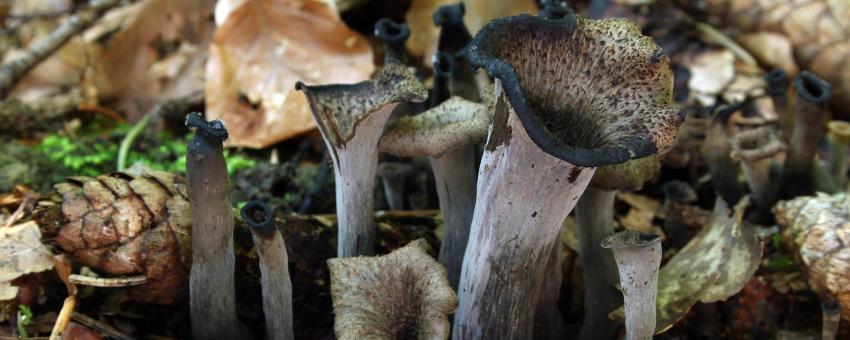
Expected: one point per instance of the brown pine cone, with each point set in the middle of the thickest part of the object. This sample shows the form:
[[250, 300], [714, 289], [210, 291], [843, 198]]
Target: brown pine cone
[[818, 228], [123, 225]]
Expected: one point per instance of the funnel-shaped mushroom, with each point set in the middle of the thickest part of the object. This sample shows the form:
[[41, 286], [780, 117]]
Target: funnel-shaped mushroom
[[453, 40], [757, 149], [798, 173], [401, 295], [638, 258], [212, 298], [572, 94], [777, 89], [274, 270], [351, 119], [594, 214], [394, 36], [446, 135], [839, 143], [831, 311], [717, 151], [393, 176]]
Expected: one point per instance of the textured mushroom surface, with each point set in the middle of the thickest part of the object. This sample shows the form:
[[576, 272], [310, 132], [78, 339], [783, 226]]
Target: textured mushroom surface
[[124, 225], [454, 123], [401, 295], [756, 144], [339, 109], [818, 228], [628, 176], [589, 92]]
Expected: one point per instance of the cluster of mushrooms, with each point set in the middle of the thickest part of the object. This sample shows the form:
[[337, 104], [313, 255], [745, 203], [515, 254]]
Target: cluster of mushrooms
[[573, 102]]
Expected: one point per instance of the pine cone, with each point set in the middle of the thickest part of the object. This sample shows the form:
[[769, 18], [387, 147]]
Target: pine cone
[[819, 229], [123, 225]]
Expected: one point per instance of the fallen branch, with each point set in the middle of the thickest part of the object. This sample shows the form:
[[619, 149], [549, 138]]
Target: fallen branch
[[12, 71], [19, 118]]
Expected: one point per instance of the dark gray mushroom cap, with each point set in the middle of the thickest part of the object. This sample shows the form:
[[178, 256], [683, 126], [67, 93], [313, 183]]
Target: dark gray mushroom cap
[[590, 92], [339, 108]]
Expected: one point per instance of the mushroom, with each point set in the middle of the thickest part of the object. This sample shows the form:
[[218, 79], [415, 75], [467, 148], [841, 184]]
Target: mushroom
[[594, 215], [831, 311], [717, 152], [446, 134], [757, 150], [393, 176], [401, 295], [638, 258], [454, 36], [777, 89], [572, 94], [444, 69], [839, 142], [274, 270], [212, 299], [798, 173], [394, 36], [554, 9], [681, 216], [351, 119]]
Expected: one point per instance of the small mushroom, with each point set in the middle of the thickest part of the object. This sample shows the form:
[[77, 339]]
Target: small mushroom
[[777, 89], [638, 258], [401, 295], [757, 150], [212, 299], [831, 311], [594, 215], [798, 173], [394, 36], [681, 217], [838, 137], [717, 151], [446, 134], [452, 43], [554, 9], [351, 119], [274, 270], [572, 95], [393, 176], [444, 69]]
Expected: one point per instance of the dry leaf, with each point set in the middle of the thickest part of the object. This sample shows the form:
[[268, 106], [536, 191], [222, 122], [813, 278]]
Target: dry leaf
[[711, 71], [259, 53], [771, 49], [21, 252], [713, 266], [423, 33]]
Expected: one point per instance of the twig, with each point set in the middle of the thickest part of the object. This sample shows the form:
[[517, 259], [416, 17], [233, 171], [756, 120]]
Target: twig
[[64, 317], [108, 282], [100, 326], [17, 118], [711, 34], [12, 71]]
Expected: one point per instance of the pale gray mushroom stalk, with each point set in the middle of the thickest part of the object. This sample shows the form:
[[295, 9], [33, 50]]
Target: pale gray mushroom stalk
[[572, 95], [351, 119], [445, 134], [757, 150], [274, 270], [638, 257]]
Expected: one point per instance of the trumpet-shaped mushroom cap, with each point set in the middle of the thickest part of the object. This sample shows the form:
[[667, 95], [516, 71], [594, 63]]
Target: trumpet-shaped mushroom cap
[[590, 92], [452, 124], [777, 82], [402, 295], [391, 32], [628, 176], [756, 144], [812, 89], [839, 130], [339, 108]]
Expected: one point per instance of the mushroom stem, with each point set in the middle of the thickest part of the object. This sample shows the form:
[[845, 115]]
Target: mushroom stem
[[274, 270], [839, 144], [394, 36], [454, 175], [678, 195], [798, 173], [514, 228], [594, 221], [393, 177], [831, 318], [723, 170], [777, 89], [756, 149], [212, 299], [638, 257]]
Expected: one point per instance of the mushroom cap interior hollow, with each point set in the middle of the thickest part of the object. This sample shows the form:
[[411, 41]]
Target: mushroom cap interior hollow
[[258, 216], [628, 176], [402, 295], [831, 307], [590, 92], [339, 108], [756, 144], [391, 32], [454, 123], [213, 129], [839, 130], [777, 82], [630, 239], [812, 89]]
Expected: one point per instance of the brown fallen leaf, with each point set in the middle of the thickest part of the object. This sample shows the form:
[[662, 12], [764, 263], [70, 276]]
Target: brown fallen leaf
[[423, 33], [771, 49], [713, 266], [21, 252], [259, 53]]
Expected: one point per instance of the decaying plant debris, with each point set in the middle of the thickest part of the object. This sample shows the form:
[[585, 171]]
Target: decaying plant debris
[[407, 169]]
